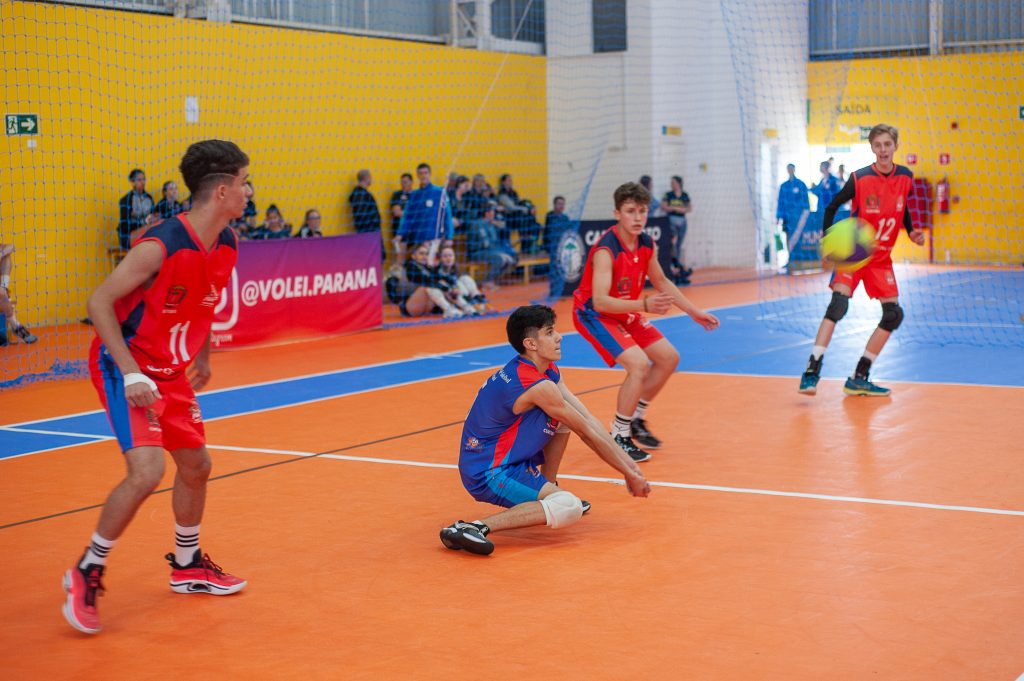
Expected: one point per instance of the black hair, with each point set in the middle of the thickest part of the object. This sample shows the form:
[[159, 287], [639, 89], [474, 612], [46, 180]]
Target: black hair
[[135, 172], [208, 163], [679, 179], [273, 207], [632, 191], [167, 184], [645, 180], [527, 321], [558, 197], [422, 166], [409, 175]]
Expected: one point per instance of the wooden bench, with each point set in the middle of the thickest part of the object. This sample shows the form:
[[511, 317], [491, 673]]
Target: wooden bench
[[526, 263]]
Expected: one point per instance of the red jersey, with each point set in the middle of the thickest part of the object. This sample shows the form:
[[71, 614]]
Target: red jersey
[[629, 271], [882, 201], [167, 323]]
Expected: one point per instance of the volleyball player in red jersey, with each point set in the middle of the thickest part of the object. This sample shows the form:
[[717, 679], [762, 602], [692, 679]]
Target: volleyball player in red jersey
[[609, 308], [879, 194], [153, 316]]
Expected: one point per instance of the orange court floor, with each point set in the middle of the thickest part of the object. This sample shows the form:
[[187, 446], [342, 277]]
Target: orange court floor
[[785, 537]]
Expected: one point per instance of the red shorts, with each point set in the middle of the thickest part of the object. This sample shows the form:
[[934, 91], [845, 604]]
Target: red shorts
[[878, 277], [172, 422], [611, 337]]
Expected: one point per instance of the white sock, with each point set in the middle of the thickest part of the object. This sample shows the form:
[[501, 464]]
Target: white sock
[[5, 280], [870, 355], [641, 409], [620, 425], [818, 351], [186, 543], [97, 552]]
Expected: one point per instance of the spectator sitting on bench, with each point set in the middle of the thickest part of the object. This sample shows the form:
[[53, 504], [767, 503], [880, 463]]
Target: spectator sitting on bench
[[463, 284], [274, 226], [135, 208], [169, 205], [7, 312], [421, 294], [484, 244], [520, 215], [310, 228]]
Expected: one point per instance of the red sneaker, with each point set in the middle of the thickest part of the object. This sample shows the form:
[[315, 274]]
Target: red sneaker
[[202, 575], [82, 587]]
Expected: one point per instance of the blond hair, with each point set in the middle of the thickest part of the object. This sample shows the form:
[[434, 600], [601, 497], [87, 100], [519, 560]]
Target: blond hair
[[882, 128]]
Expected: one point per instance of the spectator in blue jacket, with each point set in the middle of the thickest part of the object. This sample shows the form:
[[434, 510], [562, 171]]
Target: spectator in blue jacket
[[427, 218], [793, 201], [827, 187]]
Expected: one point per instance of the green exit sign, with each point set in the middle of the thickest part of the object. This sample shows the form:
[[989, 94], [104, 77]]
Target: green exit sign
[[21, 124]]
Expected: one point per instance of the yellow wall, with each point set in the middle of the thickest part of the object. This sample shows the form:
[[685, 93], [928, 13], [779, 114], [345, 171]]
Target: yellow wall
[[923, 97], [309, 108]]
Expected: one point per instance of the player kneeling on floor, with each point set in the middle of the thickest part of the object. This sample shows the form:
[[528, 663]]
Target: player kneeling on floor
[[516, 433]]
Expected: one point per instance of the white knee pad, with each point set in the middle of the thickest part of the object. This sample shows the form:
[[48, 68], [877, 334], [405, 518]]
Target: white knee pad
[[561, 509]]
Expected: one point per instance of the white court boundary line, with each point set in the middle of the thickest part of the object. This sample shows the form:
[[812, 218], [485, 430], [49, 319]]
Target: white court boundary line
[[673, 485]]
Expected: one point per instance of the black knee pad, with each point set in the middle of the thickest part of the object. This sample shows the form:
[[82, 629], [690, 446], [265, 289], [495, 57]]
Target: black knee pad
[[892, 316], [837, 308]]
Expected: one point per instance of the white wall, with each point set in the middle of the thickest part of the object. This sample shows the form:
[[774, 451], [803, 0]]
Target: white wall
[[606, 111]]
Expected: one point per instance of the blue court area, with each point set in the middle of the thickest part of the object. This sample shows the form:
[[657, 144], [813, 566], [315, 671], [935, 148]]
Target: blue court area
[[754, 339]]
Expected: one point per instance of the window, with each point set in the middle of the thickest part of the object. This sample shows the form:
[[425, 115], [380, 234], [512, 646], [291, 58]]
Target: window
[[610, 26]]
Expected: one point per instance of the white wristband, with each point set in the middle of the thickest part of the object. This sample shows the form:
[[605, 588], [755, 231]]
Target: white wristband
[[133, 378]]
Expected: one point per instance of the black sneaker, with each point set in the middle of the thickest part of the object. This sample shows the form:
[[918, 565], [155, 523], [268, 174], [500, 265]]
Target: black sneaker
[[586, 505], [638, 429], [630, 448], [468, 536], [25, 335]]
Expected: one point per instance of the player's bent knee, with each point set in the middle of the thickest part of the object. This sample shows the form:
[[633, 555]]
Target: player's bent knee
[[892, 317], [562, 509], [837, 307]]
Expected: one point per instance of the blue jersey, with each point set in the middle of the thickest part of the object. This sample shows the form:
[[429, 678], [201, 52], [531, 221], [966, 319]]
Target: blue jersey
[[493, 435], [793, 200]]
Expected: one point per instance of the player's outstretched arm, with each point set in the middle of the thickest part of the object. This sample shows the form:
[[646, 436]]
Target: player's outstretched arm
[[552, 401], [138, 267], [669, 294]]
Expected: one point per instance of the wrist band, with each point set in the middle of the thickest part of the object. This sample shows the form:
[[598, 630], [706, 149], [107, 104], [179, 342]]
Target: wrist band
[[133, 378]]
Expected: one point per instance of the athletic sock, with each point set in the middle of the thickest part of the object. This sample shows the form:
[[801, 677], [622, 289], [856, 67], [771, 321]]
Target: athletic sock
[[97, 552], [863, 368], [5, 281], [818, 351], [641, 409], [620, 425], [186, 543]]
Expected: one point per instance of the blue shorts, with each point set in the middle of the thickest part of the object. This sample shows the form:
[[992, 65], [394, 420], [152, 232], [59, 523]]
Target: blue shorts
[[510, 485]]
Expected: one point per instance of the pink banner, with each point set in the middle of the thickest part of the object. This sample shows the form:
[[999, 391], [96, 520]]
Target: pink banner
[[294, 289]]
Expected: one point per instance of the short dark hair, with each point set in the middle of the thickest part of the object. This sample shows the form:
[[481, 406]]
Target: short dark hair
[[272, 208], [632, 191], [362, 175], [645, 180], [790, 165], [422, 166], [557, 198], [206, 163], [679, 179], [135, 173], [409, 175], [527, 321]]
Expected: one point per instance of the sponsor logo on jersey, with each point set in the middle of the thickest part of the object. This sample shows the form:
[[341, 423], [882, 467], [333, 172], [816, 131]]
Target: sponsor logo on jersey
[[154, 421], [871, 204], [472, 443], [899, 204], [551, 426], [211, 298], [623, 286], [193, 410], [175, 295], [166, 371]]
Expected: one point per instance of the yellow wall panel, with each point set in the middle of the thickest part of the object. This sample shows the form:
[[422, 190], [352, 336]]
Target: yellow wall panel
[[924, 97], [309, 108]]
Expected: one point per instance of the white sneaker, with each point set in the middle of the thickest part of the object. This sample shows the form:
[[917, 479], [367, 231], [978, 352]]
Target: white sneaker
[[453, 313]]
